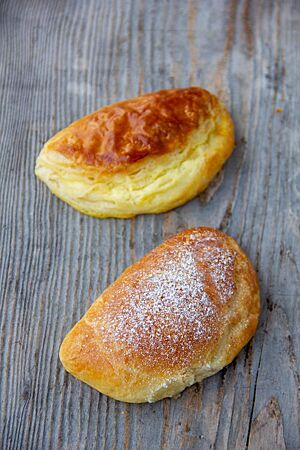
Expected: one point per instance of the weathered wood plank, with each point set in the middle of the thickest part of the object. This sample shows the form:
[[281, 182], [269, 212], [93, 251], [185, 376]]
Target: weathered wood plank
[[61, 60], [267, 429]]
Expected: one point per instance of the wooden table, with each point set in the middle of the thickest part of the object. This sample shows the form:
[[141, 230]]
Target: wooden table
[[62, 59]]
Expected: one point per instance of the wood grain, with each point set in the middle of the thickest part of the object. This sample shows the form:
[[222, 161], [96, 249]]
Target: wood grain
[[61, 60], [267, 429]]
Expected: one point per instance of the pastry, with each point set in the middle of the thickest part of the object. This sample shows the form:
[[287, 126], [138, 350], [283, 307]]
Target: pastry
[[177, 316], [145, 155]]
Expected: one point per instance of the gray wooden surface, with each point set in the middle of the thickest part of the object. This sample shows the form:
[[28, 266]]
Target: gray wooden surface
[[62, 59]]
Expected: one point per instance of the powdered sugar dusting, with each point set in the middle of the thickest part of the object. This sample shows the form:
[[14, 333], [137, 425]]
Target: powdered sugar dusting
[[168, 309], [221, 264]]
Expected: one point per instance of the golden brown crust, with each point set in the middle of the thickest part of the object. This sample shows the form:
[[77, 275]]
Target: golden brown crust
[[123, 133], [141, 156], [178, 315]]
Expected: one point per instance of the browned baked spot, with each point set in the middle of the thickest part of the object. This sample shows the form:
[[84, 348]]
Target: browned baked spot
[[126, 132]]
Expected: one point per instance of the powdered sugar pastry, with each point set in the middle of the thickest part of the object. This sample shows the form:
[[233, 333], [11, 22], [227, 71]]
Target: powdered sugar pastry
[[166, 312]]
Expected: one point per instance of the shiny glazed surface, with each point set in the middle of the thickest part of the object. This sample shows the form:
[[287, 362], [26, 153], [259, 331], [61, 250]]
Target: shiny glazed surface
[[126, 132]]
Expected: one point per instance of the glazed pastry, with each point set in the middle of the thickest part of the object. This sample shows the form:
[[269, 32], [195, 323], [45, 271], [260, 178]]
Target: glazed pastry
[[179, 315], [145, 155]]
